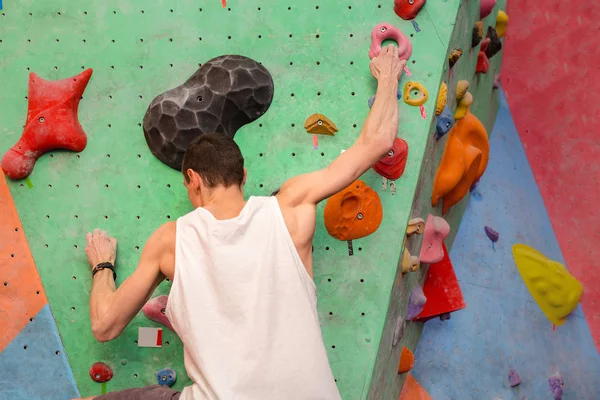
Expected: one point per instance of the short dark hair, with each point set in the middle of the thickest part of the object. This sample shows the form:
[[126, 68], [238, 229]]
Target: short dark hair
[[216, 158]]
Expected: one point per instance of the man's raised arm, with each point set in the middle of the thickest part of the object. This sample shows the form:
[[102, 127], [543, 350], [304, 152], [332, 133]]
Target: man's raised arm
[[376, 139]]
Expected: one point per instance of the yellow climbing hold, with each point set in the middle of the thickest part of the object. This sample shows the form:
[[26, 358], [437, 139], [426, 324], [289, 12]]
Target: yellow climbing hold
[[501, 23], [415, 94], [461, 89], [463, 106], [442, 99], [553, 288]]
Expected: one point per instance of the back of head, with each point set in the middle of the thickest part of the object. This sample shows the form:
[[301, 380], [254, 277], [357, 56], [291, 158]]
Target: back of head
[[216, 158]]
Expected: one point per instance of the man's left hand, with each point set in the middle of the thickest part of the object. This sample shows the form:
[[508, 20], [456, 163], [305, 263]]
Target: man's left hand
[[100, 248]]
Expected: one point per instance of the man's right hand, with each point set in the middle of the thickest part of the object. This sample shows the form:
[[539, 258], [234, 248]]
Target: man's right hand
[[387, 64]]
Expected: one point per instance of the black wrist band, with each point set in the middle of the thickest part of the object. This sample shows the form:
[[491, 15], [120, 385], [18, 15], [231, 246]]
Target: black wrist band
[[105, 265]]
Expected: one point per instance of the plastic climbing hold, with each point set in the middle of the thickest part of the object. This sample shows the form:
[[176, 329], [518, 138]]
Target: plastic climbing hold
[[226, 93], [553, 288], [513, 378], [496, 81], [408, 9], [461, 89], [483, 63], [412, 390], [52, 122], [415, 94], [100, 372], [416, 226], [454, 57], [464, 161], [462, 108], [556, 383], [416, 302], [477, 34], [442, 99], [444, 122], [486, 7], [318, 124], [398, 331], [436, 230], [392, 165], [442, 290], [166, 377], [494, 45], [354, 212], [501, 23], [155, 308], [385, 31], [491, 234], [409, 263], [407, 361]]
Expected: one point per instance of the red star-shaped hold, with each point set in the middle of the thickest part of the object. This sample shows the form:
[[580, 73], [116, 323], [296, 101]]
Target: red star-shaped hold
[[52, 123]]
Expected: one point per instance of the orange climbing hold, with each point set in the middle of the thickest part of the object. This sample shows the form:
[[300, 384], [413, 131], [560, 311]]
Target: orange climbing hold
[[412, 390], [354, 212], [464, 161], [407, 361]]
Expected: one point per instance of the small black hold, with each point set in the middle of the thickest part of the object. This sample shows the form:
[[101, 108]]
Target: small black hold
[[495, 44]]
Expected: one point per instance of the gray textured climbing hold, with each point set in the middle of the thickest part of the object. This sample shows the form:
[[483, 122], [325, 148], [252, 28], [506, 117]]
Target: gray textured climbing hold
[[223, 95]]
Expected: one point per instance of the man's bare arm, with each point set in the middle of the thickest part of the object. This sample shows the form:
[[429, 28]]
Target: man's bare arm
[[111, 309], [376, 139]]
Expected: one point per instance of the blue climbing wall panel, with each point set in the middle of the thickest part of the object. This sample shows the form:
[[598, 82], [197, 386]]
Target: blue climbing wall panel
[[468, 357]]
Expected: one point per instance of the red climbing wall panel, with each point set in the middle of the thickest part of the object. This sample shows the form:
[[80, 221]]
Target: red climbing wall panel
[[550, 78]]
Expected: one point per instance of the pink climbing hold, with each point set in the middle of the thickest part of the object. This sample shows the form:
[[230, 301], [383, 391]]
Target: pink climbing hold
[[101, 372], [155, 308], [436, 230], [486, 7], [385, 31]]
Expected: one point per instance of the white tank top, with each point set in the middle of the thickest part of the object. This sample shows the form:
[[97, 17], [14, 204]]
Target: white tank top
[[246, 310]]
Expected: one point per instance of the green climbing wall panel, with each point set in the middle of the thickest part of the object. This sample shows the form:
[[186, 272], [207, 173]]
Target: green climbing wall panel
[[317, 54]]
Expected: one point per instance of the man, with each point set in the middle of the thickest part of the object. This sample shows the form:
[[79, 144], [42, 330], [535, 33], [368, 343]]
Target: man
[[242, 299]]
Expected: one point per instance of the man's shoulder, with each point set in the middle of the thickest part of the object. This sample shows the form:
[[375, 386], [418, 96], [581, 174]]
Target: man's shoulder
[[165, 234]]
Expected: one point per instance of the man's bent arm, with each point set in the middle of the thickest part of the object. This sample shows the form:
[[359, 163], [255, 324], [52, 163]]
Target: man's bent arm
[[376, 139], [111, 309]]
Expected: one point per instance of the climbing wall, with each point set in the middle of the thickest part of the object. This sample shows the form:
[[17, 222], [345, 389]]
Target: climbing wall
[[317, 54], [451, 31]]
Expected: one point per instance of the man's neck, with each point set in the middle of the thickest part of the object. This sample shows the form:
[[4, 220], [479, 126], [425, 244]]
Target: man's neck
[[223, 203]]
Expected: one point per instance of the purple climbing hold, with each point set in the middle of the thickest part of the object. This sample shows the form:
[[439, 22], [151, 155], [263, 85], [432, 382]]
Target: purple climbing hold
[[514, 378], [492, 234], [556, 385], [416, 302]]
